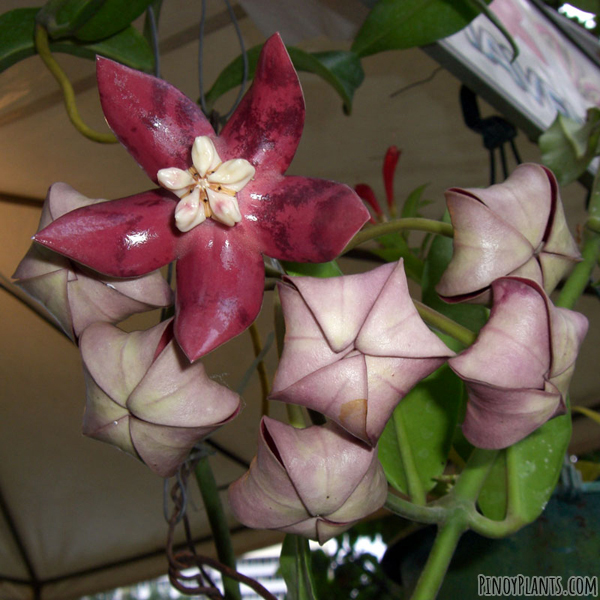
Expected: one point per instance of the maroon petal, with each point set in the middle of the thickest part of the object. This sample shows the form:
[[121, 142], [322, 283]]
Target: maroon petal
[[151, 118], [122, 238], [266, 127], [220, 285], [303, 219]]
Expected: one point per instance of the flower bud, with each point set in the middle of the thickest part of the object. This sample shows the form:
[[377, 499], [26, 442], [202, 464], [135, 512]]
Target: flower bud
[[515, 228], [74, 295], [314, 482], [354, 347], [146, 398], [518, 370]]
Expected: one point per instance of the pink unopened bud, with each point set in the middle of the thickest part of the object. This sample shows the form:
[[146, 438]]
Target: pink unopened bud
[[145, 397], [76, 296], [315, 482], [515, 228], [390, 162], [518, 370], [354, 347]]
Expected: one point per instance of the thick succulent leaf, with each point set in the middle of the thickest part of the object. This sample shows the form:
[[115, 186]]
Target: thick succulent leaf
[[431, 409], [152, 119], [535, 464], [493, 499], [341, 69], [112, 17], [122, 238], [62, 17], [267, 124], [568, 146], [17, 29], [17, 42], [295, 566], [220, 282], [397, 24], [303, 219]]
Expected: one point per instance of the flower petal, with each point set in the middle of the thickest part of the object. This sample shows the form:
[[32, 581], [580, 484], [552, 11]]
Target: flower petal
[[175, 179], [176, 393], [204, 155], [567, 330], [220, 285], [122, 238], [524, 200], [305, 348], [151, 118], [485, 247], [513, 347], [497, 418], [233, 174], [302, 219], [224, 207], [349, 300], [393, 327], [189, 212], [266, 126], [116, 360]]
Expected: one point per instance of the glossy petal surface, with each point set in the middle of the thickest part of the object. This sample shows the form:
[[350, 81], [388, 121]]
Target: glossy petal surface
[[266, 127], [151, 118]]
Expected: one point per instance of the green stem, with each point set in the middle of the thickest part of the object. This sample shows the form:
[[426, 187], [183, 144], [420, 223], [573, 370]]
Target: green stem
[[218, 524], [416, 224], [413, 481], [439, 559], [422, 514], [462, 502], [295, 415], [43, 48], [579, 278], [445, 324]]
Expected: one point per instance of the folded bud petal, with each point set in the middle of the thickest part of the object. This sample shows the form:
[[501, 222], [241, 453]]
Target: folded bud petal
[[204, 155], [233, 174], [518, 370], [354, 347], [145, 397], [176, 180], [224, 208], [189, 212], [315, 482]]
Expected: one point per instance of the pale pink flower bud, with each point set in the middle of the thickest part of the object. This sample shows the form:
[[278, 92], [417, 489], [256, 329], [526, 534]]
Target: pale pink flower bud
[[316, 482]]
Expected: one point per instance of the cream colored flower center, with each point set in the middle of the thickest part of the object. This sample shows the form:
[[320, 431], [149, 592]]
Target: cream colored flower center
[[208, 188]]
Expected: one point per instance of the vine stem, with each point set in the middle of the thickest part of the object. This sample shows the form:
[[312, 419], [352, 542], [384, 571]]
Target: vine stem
[[445, 324], [415, 224], [262, 371], [413, 481], [43, 48], [461, 500], [218, 523]]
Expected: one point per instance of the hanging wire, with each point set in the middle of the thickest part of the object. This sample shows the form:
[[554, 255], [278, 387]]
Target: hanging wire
[[154, 39], [201, 54]]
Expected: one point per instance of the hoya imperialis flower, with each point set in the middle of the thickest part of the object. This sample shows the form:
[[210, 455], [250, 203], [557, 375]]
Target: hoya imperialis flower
[[515, 228], [316, 482], [218, 217], [354, 347], [518, 370], [144, 396], [77, 297]]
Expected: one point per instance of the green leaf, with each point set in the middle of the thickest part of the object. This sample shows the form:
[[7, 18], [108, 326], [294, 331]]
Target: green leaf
[[492, 498], [431, 408], [17, 28], [534, 465], [128, 46], [342, 70], [568, 146], [413, 202], [396, 247], [398, 24], [112, 17], [62, 17], [294, 564], [328, 269], [472, 316]]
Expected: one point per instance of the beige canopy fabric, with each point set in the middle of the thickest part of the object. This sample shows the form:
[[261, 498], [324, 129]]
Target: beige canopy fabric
[[78, 516]]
